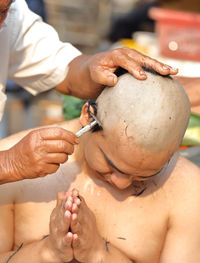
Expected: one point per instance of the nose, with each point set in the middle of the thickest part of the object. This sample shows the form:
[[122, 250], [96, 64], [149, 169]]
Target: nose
[[120, 181]]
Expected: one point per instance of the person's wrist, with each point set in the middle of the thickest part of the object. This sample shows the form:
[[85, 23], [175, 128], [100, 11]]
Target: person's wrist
[[48, 253]]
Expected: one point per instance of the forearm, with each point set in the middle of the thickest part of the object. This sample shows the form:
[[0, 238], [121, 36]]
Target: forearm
[[36, 252], [109, 254]]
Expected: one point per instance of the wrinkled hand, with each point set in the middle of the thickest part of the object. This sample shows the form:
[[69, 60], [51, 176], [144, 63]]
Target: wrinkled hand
[[60, 238], [103, 65], [86, 241], [87, 74], [40, 153]]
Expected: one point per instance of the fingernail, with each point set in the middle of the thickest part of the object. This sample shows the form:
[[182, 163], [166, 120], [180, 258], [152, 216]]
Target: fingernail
[[142, 73], [110, 80], [165, 67], [67, 214]]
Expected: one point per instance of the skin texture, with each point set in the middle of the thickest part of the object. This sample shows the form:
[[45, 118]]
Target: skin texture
[[108, 173]]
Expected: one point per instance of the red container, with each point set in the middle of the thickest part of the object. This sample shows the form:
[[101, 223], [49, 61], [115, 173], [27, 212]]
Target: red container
[[178, 33]]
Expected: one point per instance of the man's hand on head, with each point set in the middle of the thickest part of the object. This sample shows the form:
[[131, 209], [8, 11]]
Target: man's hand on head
[[39, 153], [87, 74]]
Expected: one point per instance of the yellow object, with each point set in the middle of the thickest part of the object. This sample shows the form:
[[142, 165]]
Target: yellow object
[[130, 43]]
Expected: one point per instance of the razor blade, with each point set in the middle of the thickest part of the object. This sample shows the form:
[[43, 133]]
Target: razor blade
[[86, 128], [89, 126]]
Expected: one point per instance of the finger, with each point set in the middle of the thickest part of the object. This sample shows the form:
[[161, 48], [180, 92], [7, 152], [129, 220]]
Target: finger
[[77, 201], [75, 241], [58, 133], [159, 67], [104, 76], [63, 219], [60, 197], [67, 240], [58, 146], [56, 158], [75, 192], [74, 208], [75, 225], [67, 220], [148, 62], [69, 203], [50, 168]]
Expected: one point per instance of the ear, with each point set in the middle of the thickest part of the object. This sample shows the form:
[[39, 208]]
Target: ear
[[85, 117]]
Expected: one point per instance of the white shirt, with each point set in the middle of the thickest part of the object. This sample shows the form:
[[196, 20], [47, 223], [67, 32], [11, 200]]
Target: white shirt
[[31, 53]]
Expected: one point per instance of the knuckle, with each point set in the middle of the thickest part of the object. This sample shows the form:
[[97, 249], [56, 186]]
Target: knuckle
[[40, 168], [117, 51], [126, 49], [62, 145], [57, 131]]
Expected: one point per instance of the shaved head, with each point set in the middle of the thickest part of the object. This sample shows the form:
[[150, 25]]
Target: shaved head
[[152, 114]]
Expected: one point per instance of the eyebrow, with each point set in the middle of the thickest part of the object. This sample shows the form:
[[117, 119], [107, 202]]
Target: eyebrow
[[115, 167], [112, 164]]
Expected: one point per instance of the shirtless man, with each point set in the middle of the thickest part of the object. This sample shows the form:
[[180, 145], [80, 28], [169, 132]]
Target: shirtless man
[[141, 198]]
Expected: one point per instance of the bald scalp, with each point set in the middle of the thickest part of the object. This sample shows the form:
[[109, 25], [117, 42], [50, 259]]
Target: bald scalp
[[152, 113]]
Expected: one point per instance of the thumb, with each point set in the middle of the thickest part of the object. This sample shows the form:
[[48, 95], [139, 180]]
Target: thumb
[[104, 77]]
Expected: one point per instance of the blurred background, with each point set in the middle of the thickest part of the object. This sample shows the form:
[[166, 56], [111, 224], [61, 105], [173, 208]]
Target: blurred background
[[168, 30]]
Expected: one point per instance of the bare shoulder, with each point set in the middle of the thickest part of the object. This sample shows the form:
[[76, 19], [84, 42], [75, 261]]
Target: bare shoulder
[[185, 175], [183, 189]]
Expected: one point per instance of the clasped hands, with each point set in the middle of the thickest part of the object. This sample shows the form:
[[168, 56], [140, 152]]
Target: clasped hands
[[73, 231]]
